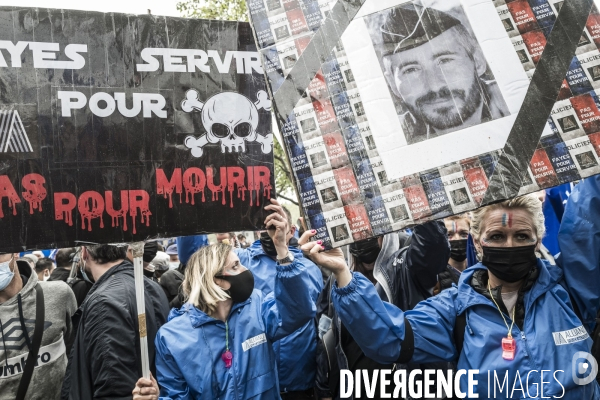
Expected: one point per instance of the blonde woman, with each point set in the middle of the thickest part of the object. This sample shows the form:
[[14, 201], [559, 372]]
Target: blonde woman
[[219, 344]]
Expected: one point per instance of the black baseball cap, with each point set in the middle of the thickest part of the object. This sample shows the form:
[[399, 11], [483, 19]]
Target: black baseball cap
[[409, 26]]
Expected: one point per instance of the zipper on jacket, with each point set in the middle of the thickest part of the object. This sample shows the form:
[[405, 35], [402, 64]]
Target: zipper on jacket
[[235, 388], [527, 350]]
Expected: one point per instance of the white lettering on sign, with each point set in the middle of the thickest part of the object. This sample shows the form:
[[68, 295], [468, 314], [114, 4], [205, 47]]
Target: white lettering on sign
[[189, 60], [46, 355], [44, 54], [104, 105], [255, 341], [571, 336]]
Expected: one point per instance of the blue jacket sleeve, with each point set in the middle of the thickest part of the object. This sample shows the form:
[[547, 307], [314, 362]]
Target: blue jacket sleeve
[[291, 305], [380, 328], [579, 240], [244, 256], [172, 384]]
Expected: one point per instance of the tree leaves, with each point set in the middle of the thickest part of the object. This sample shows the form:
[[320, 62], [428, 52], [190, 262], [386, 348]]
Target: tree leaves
[[229, 10]]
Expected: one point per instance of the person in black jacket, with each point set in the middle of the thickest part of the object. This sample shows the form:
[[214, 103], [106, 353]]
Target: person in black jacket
[[458, 227], [64, 262], [105, 361], [404, 270]]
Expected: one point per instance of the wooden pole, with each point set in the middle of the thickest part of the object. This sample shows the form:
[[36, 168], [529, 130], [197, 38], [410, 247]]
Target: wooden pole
[[138, 269]]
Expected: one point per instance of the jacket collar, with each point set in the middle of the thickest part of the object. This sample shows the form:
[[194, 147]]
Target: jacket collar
[[467, 297], [124, 266]]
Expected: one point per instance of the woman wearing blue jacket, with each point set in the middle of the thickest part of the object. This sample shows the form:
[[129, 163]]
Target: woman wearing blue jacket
[[519, 313], [219, 344]]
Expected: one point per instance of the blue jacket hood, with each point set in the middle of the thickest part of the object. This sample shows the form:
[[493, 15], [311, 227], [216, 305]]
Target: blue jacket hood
[[188, 245]]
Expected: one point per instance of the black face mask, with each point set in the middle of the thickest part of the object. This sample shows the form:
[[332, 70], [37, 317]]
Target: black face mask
[[510, 264], [366, 251], [458, 250], [242, 286], [267, 244]]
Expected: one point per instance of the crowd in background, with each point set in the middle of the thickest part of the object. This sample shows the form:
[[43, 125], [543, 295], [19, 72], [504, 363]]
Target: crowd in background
[[270, 314]]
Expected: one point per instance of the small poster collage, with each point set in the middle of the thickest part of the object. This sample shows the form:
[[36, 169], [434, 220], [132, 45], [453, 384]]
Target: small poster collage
[[344, 188]]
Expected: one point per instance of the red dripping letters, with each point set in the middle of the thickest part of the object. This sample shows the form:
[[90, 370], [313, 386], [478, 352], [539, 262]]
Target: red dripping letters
[[246, 184], [92, 205], [35, 192], [235, 180]]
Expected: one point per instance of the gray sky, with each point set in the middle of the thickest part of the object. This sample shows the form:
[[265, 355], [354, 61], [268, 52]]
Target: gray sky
[[158, 7]]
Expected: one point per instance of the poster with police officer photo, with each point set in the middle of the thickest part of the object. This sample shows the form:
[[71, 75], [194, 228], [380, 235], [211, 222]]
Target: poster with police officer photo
[[434, 86], [395, 112]]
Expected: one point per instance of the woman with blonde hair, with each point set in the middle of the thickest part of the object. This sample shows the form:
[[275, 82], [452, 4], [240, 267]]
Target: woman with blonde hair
[[219, 344], [513, 317]]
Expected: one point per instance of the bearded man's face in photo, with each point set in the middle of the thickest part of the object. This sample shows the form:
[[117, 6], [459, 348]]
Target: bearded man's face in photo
[[438, 82]]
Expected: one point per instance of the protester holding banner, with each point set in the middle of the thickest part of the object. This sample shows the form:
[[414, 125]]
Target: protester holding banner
[[296, 353], [106, 359], [220, 344], [515, 309], [403, 275], [35, 324]]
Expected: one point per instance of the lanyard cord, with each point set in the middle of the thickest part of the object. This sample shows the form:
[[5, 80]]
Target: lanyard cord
[[502, 314], [226, 336]]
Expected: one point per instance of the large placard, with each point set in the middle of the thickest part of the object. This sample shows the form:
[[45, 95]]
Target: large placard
[[117, 128], [395, 112]]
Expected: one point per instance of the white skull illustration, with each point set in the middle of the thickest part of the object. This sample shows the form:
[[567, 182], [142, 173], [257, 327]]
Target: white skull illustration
[[231, 119]]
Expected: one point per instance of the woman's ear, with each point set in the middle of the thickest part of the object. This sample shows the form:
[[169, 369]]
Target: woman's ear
[[222, 283]]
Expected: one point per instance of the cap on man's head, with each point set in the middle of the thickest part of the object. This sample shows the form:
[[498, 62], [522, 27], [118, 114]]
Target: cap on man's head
[[358, 248], [409, 26], [172, 250], [150, 249]]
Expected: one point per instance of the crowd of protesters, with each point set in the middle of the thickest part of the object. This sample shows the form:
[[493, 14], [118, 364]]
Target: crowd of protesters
[[278, 316]]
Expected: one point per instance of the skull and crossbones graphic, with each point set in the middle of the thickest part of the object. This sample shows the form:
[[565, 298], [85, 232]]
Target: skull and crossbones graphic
[[230, 119]]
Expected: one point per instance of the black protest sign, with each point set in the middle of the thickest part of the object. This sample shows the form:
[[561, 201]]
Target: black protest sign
[[395, 113], [117, 128]]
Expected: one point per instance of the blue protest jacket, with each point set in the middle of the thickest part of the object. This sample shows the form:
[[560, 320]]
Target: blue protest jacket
[[579, 241], [551, 336], [189, 347], [296, 353]]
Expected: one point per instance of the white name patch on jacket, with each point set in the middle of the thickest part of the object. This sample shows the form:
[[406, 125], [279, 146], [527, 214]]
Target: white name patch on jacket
[[46, 355], [255, 341], [571, 336]]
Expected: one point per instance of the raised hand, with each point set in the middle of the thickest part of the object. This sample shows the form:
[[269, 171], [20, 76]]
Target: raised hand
[[332, 260], [278, 227]]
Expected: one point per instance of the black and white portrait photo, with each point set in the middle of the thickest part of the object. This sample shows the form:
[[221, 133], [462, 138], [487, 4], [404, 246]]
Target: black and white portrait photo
[[437, 74], [438, 81]]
